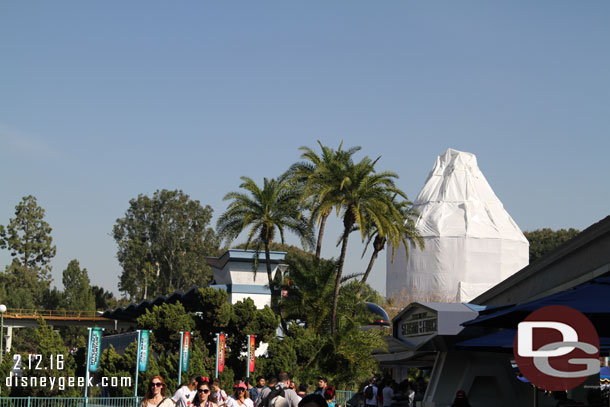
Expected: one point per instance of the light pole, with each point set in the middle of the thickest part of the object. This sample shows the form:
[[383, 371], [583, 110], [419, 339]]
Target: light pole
[[2, 311]]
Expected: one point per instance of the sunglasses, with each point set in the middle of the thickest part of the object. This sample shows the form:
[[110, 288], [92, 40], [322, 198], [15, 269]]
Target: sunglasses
[[203, 391], [240, 389], [157, 384]]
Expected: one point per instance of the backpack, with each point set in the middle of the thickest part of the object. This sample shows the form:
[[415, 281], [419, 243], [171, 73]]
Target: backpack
[[274, 398], [368, 392]]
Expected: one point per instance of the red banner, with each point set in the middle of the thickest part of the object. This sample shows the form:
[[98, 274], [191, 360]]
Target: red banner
[[221, 352], [251, 351]]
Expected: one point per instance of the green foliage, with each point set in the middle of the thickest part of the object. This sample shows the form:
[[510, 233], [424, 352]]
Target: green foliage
[[162, 243], [265, 211], [312, 178], [77, 289], [166, 321], [105, 300], [49, 344], [28, 239], [544, 240]]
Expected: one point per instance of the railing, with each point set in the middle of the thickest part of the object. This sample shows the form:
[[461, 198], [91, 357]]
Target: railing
[[68, 402], [37, 313], [345, 398]]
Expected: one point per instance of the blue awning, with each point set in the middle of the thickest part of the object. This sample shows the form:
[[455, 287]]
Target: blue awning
[[591, 299]]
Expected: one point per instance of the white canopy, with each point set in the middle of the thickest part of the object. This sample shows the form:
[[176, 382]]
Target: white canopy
[[472, 243]]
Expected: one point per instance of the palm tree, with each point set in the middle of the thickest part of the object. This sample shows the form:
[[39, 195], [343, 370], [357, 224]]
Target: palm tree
[[274, 207], [398, 230], [363, 197], [312, 176]]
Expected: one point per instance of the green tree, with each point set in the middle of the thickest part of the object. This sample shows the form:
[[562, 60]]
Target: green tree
[[78, 294], [28, 239], [398, 228], [50, 345], [544, 240], [264, 210], [361, 196], [311, 176], [163, 243]]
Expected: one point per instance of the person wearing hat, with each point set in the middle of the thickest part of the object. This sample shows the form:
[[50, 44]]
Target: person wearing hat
[[239, 399]]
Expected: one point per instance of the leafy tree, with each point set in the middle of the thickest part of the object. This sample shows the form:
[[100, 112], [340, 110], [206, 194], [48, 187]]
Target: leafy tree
[[311, 177], [544, 240], [78, 294], [398, 228], [274, 207], [28, 239], [50, 345], [362, 196], [162, 244], [105, 300]]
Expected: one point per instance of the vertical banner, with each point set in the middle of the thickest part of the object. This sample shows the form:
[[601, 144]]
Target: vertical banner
[[95, 346], [220, 357], [251, 351], [186, 351], [143, 351]]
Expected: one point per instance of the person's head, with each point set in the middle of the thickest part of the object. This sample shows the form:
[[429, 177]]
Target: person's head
[[272, 382], [260, 381], [240, 390], [193, 381], [216, 384], [203, 391], [322, 382], [284, 377], [329, 392], [156, 385], [249, 382], [302, 389], [313, 400]]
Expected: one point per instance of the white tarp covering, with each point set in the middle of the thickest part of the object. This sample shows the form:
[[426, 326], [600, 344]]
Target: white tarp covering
[[472, 243]]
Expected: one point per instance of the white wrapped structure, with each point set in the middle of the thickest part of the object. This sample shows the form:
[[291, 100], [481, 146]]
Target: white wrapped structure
[[472, 243]]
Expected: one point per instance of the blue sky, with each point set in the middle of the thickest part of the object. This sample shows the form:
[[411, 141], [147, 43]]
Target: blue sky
[[102, 101]]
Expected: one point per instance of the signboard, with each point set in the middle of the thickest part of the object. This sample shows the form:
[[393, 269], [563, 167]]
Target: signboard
[[186, 351], [220, 357], [251, 351], [95, 346], [143, 351], [418, 324]]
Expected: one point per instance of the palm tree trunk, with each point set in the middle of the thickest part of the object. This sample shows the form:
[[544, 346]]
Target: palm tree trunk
[[333, 323], [368, 271], [268, 261], [320, 236]]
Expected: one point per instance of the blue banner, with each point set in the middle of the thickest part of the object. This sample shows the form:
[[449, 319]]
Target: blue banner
[[95, 346], [143, 351]]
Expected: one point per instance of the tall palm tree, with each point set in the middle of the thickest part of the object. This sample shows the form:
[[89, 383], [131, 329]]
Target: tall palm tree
[[274, 207], [312, 176], [362, 197], [398, 230]]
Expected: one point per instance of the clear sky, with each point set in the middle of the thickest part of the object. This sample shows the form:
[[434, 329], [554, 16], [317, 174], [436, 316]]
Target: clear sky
[[101, 101]]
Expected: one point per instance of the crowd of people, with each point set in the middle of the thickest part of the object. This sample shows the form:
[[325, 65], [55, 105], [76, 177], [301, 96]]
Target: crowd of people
[[281, 391], [278, 391]]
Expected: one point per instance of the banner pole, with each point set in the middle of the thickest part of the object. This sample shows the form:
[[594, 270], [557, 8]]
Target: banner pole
[[180, 360], [217, 347], [87, 364], [248, 359], [135, 392]]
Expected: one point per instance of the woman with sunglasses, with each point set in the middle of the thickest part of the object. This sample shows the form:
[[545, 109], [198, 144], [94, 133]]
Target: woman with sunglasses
[[239, 398], [204, 391], [155, 394]]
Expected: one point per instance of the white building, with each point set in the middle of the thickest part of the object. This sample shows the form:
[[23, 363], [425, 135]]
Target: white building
[[472, 243]]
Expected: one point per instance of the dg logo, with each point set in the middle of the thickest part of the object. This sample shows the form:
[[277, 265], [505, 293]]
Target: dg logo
[[557, 348]]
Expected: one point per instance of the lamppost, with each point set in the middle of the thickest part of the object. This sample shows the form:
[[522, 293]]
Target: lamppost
[[2, 311]]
